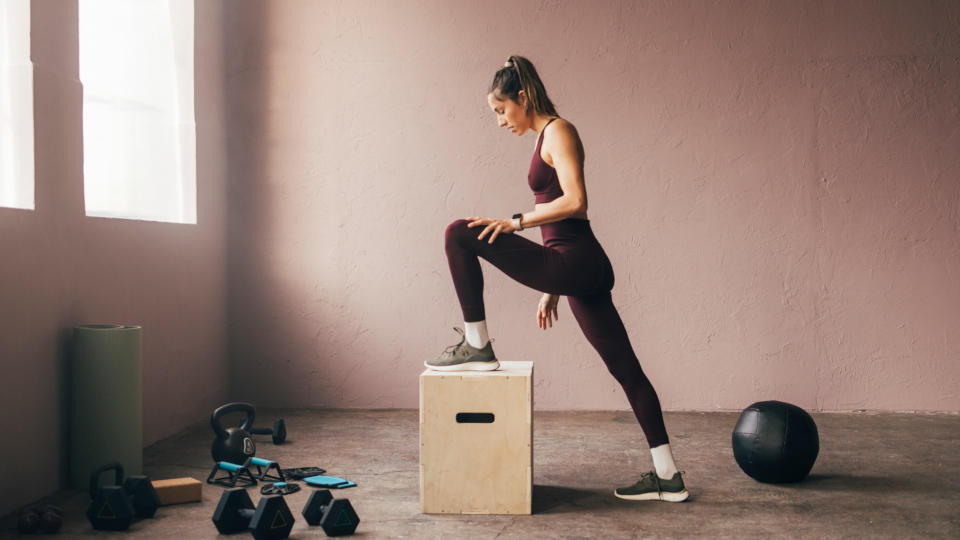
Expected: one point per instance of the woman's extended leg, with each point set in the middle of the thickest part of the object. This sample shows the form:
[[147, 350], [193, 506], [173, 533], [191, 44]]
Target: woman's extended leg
[[601, 324]]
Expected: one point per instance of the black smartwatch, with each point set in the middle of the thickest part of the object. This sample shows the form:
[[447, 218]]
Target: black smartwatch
[[517, 221]]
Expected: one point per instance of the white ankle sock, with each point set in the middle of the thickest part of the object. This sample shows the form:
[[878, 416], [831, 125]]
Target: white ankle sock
[[663, 461], [477, 333]]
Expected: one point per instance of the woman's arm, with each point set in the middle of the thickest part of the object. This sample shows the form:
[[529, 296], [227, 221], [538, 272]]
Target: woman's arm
[[564, 149], [564, 152]]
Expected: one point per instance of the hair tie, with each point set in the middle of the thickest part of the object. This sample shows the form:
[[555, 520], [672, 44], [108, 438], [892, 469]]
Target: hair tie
[[508, 64]]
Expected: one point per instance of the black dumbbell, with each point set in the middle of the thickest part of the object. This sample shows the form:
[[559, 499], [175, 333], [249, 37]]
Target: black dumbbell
[[270, 520], [278, 432], [336, 516], [142, 495], [114, 508]]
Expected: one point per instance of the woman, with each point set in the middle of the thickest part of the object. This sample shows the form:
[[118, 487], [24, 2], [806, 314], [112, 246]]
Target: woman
[[570, 263]]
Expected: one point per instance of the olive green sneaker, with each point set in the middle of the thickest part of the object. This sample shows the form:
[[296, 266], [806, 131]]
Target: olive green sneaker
[[465, 357], [653, 488]]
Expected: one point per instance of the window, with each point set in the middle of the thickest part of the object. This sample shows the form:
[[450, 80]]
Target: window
[[16, 106], [139, 132]]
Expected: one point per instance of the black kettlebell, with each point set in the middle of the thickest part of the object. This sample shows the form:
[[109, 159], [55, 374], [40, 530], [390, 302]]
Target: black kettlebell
[[110, 507], [233, 444]]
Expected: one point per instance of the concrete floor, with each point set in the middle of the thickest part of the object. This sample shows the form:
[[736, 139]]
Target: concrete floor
[[878, 475]]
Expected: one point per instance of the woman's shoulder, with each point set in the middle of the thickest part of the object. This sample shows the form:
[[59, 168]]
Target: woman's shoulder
[[561, 133], [561, 130], [560, 124]]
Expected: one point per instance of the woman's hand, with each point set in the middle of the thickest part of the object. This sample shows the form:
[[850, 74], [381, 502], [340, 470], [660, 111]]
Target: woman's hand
[[547, 307], [496, 225]]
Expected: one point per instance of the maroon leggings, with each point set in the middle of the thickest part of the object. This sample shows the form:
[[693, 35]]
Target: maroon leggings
[[570, 263]]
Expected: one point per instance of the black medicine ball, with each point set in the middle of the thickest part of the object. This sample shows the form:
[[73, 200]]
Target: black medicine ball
[[775, 442]]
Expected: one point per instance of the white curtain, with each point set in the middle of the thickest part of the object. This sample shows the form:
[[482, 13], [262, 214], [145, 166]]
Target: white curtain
[[16, 106], [139, 131]]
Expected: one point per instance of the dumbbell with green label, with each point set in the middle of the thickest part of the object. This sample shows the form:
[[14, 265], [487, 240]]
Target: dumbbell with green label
[[336, 516]]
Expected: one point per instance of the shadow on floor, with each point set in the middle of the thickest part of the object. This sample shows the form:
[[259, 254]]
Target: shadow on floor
[[857, 483], [559, 499]]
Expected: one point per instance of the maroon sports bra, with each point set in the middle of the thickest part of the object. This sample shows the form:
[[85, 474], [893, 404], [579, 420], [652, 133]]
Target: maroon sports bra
[[542, 178]]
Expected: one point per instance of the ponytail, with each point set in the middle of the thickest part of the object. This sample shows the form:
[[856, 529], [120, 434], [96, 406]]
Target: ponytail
[[519, 74]]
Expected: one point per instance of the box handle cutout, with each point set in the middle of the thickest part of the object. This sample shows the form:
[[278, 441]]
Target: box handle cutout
[[474, 418]]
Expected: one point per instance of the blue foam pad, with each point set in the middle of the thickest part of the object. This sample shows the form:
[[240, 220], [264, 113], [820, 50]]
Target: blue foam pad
[[328, 482]]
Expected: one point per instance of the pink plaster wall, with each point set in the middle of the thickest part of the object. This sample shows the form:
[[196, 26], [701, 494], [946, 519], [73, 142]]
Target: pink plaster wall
[[61, 268], [776, 183]]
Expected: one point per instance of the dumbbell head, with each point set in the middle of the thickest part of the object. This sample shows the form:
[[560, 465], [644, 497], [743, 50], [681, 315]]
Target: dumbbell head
[[270, 520], [279, 431], [336, 516], [142, 496], [316, 504], [228, 517]]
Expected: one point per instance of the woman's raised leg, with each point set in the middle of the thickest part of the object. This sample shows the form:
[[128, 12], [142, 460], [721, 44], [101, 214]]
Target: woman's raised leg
[[527, 262]]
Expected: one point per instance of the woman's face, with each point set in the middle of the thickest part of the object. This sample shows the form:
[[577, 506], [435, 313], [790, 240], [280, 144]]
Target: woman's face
[[510, 114]]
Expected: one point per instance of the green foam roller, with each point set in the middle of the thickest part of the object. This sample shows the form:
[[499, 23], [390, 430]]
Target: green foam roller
[[106, 401]]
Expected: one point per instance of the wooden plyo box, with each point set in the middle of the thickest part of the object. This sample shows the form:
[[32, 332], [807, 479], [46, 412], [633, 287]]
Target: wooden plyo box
[[476, 441]]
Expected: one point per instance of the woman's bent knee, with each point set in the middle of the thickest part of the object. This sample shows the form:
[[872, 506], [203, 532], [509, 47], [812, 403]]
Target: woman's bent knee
[[457, 231]]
